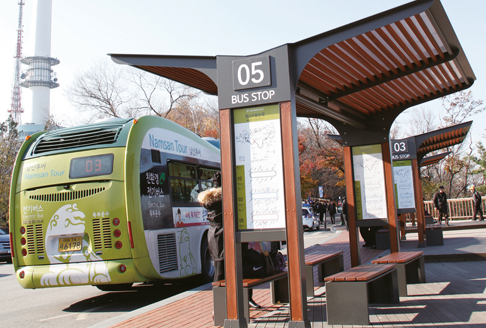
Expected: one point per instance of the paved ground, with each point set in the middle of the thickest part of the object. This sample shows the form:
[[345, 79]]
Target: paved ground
[[454, 294]]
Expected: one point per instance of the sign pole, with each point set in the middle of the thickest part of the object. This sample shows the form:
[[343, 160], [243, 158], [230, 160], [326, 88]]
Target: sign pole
[[233, 273], [295, 243]]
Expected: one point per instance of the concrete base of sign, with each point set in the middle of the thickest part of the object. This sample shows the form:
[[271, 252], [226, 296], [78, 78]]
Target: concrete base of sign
[[300, 324], [382, 238], [434, 236], [235, 323]]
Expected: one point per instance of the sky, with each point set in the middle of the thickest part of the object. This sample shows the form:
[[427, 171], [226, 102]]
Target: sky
[[84, 32]]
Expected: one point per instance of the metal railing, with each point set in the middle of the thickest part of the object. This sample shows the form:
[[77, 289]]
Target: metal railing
[[459, 208]]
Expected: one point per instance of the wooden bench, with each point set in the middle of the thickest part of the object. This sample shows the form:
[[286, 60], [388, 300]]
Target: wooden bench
[[279, 288], [349, 293], [327, 264], [410, 268]]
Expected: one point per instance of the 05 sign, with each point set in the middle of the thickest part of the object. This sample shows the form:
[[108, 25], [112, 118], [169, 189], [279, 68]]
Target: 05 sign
[[251, 73]]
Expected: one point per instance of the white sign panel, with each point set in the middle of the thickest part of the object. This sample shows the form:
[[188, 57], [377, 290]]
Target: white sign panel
[[403, 180], [369, 182], [259, 169]]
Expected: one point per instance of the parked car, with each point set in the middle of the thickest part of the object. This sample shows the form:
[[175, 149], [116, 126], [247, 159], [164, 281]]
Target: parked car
[[5, 247], [4, 229], [309, 220]]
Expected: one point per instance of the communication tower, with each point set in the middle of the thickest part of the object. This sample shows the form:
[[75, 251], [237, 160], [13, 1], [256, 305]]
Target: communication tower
[[39, 77], [16, 108]]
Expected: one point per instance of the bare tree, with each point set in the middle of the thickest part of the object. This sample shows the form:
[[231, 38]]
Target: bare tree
[[460, 106], [103, 91], [109, 90], [423, 121], [160, 96], [9, 146]]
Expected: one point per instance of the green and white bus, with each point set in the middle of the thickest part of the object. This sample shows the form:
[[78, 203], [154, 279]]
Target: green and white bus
[[110, 204]]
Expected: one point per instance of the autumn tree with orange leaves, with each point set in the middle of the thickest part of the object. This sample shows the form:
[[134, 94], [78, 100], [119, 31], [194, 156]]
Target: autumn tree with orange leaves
[[321, 160]]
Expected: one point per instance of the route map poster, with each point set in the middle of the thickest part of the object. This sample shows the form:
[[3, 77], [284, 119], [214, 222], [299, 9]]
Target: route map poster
[[403, 183], [369, 182], [259, 170]]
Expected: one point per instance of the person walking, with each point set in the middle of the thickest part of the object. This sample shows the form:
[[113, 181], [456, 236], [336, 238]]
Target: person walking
[[440, 203], [332, 212], [344, 219], [477, 200]]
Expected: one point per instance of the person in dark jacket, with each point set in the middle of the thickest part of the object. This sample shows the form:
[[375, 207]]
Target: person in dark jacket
[[476, 204], [344, 214], [332, 212], [440, 203], [212, 200]]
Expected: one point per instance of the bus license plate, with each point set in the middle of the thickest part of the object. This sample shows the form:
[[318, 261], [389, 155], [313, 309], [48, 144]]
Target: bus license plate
[[70, 244]]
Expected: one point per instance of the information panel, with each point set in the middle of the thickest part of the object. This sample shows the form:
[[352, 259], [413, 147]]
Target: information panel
[[259, 169], [369, 182], [403, 183]]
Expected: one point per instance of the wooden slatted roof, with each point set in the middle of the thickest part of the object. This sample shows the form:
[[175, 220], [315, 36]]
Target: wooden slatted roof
[[430, 160], [389, 68], [440, 139], [378, 66]]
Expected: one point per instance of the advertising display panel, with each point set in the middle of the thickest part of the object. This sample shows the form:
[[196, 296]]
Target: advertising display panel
[[259, 172], [403, 184], [369, 182]]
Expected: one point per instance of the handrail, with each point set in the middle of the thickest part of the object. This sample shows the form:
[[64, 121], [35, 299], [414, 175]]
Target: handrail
[[459, 208]]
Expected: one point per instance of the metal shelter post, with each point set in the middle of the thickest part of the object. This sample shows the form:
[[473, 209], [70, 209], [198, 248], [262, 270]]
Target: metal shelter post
[[295, 242], [390, 195], [233, 272], [419, 202], [351, 201]]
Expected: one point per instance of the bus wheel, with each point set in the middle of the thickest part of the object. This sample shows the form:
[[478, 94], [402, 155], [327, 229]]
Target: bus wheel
[[207, 267], [114, 288]]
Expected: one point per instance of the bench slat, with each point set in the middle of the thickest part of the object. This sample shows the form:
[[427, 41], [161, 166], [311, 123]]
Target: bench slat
[[363, 272], [313, 259], [250, 282], [398, 257]]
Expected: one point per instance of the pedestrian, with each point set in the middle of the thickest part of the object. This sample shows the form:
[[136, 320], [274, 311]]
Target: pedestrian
[[212, 200], [344, 214], [322, 212], [332, 212], [477, 204], [440, 203], [369, 235]]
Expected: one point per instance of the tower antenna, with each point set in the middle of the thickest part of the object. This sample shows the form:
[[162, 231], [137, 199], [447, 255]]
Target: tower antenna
[[16, 108]]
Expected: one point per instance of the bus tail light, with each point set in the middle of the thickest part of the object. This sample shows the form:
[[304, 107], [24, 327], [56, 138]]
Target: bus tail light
[[130, 233], [11, 246], [22, 274], [24, 252], [117, 233], [118, 245], [116, 221], [122, 268], [23, 241], [22, 230]]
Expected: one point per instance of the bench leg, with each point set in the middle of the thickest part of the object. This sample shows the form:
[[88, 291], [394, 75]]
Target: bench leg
[[280, 290], [331, 267], [415, 271], [402, 279], [347, 303], [385, 289], [309, 280], [219, 305]]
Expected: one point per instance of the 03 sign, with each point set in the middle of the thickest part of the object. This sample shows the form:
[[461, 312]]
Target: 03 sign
[[251, 73]]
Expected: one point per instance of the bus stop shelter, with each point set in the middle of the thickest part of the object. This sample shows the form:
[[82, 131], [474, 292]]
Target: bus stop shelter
[[358, 77], [411, 153]]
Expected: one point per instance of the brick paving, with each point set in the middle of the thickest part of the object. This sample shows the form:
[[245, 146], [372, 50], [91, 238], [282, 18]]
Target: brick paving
[[454, 295]]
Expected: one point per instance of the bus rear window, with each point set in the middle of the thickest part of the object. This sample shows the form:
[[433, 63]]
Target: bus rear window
[[84, 167]]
